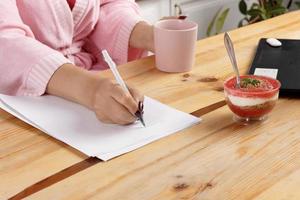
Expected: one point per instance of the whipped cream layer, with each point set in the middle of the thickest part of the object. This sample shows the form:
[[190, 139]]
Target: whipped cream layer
[[246, 101]]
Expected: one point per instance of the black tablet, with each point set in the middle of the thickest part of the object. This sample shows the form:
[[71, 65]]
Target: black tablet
[[282, 63]]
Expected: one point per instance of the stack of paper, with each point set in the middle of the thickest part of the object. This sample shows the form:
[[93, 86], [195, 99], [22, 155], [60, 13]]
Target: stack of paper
[[79, 127]]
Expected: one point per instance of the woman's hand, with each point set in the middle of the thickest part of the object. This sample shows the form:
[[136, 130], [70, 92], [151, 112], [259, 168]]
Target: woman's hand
[[142, 36], [113, 105], [105, 97]]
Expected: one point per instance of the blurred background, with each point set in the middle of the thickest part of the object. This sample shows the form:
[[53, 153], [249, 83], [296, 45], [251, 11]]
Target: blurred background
[[216, 16]]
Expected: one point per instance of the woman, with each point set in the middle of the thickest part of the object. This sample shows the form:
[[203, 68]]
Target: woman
[[52, 46]]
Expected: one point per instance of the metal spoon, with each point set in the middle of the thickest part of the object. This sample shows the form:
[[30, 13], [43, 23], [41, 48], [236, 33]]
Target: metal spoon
[[230, 50]]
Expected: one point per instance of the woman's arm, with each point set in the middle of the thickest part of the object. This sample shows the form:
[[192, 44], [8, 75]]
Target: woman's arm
[[30, 68], [129, 36], [26, 64], [120, 30]]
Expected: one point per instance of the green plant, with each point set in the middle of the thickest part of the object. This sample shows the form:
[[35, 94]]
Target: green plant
[[217, 23], [261, 10]]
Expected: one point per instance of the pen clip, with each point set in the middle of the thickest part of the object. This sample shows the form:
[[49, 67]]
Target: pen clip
[[141, 107], [140, 112]]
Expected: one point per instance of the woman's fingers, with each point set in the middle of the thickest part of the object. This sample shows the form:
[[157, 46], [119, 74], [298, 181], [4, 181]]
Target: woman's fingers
[[174, 17], [114, 113], [137, 96], [126, 104], [103, 118], [113, 105], [169, 17], [120, 114], [125, 99]]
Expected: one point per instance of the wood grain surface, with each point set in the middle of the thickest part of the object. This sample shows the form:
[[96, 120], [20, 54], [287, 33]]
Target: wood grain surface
[[214, 160], [217, 159], [28, 155]]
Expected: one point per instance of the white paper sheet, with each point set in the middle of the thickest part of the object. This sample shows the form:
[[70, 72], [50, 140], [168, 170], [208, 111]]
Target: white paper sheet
[[79, 127]]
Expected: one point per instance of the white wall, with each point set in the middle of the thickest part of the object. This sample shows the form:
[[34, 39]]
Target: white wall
[[153, 10]]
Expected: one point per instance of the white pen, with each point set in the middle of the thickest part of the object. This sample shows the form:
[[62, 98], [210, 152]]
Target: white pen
[[120, 81], [114, 70]]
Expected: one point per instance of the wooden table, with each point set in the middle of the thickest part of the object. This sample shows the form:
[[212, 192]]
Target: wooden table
[[215, 160]]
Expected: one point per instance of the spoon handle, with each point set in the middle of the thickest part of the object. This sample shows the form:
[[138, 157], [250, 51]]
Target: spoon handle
[[230, 50]]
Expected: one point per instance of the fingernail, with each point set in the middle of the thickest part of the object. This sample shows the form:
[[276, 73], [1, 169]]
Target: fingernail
[[182, 17]]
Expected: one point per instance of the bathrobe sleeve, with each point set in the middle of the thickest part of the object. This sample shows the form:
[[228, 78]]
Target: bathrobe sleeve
[[26, 65], [116, 22]]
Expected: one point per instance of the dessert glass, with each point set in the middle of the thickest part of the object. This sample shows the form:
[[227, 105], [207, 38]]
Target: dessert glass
[[254, 100]]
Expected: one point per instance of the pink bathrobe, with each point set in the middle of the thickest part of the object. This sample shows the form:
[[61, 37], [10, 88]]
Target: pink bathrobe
[[39, 36]]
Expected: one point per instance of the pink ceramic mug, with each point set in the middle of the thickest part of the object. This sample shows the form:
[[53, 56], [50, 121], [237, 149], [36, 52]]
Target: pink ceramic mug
[[175, 43]]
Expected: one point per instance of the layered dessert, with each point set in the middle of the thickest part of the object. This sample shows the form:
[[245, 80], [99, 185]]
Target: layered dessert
[[254, 99]]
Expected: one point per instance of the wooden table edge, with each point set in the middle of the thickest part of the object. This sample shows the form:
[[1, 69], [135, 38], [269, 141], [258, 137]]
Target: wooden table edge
[[89, 162]]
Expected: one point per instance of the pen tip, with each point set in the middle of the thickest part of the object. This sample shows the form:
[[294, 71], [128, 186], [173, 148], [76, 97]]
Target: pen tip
[[142, 121]]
